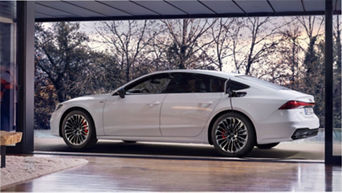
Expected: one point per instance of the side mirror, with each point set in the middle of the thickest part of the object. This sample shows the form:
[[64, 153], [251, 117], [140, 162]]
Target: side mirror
[[121, 93]]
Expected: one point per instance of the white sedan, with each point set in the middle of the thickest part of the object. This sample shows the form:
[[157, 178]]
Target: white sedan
[[230, 111]]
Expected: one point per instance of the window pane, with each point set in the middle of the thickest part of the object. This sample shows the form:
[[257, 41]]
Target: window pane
[[151, 85], [235, 86], [195, 83], [337, 138], [209, 83], [7, 66], [180, 83]]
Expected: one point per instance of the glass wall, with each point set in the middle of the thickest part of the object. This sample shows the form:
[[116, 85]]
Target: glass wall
[[337, 138], [8, 65]]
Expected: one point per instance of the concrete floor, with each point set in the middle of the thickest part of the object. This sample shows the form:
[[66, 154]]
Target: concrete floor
[[308, 149]]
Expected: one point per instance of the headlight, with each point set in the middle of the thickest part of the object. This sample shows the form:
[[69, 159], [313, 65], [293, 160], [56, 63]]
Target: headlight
[[58, 106]]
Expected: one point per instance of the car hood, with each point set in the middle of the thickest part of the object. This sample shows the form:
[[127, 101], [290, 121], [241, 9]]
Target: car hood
[[88, 97]]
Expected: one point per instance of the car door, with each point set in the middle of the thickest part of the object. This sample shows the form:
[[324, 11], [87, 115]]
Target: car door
[[137, 114], [189, 103]]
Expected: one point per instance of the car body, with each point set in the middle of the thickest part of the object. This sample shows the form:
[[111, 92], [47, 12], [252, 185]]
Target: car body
[[183, 105]]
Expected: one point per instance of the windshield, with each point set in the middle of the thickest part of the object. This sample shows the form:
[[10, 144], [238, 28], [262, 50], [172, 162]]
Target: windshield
[[262, 82]]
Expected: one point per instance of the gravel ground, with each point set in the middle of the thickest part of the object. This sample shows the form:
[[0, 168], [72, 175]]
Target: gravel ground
[[22, 168]]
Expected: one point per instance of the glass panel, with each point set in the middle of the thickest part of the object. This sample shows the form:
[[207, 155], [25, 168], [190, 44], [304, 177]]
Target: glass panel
[[7, 66], [337, 87]]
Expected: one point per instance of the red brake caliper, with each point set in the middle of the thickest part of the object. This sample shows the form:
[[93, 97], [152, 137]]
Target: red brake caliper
[[85, 127]]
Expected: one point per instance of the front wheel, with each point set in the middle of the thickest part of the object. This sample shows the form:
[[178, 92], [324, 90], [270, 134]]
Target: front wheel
[[233, 135], [78, 130]]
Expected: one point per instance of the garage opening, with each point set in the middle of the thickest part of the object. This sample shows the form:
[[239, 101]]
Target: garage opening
[[81, 58]]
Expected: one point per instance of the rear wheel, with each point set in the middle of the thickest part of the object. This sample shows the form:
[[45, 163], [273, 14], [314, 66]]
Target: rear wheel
[[233, 135], [267, 146], [78, 130]]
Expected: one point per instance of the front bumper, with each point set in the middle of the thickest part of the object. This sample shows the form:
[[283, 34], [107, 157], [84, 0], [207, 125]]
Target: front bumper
[[54, 123]]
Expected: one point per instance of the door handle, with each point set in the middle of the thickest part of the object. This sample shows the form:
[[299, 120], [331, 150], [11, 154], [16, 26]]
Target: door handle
[[154, 104], [207, 104]]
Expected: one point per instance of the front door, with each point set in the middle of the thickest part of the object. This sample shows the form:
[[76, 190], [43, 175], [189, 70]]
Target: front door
[[138, 113]]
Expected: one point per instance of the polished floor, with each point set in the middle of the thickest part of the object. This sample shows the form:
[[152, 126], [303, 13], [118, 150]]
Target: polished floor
[[132, 174]]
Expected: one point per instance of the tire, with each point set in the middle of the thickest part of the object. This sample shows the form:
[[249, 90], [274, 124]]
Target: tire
[[126, 141], [267, 146], [78, 130], [233, 135]]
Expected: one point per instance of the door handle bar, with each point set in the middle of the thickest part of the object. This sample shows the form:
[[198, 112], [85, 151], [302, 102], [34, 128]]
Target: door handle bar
[[155, 103]]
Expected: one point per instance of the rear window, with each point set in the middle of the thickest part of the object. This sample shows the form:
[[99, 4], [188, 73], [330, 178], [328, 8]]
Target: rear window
[[262, 82]]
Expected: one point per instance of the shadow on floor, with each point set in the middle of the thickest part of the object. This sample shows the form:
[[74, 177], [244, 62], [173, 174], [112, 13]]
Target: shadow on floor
[[282, 151]]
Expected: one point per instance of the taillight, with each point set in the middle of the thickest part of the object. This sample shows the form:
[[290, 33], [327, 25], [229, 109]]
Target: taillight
[[295, 104]]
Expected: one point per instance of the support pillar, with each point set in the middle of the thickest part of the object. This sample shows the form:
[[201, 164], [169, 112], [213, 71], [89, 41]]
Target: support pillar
[[25, 63]]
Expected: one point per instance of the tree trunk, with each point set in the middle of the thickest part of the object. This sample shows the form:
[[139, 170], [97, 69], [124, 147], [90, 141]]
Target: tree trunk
[[127, 73], [60, 93], [183, 47]]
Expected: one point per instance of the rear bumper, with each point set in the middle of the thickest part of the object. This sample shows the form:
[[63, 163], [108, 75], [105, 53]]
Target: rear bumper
[[304, 133], [286, 126]]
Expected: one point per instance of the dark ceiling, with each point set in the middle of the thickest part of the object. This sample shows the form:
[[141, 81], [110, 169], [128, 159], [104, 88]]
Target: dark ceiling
[[164, 9]]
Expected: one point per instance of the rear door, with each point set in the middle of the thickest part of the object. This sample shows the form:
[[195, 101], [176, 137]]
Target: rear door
[[190, 100]]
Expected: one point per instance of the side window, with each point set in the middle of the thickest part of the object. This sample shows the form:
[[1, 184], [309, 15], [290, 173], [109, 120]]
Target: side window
[[195, 83], [180, 83], [233, 85], [154, 84], [210, 83]]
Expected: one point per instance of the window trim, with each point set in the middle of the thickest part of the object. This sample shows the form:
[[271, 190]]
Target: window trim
[[141, 79]]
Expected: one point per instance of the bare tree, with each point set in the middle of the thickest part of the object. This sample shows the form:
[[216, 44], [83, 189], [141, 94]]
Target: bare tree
[[188, 42], [127, 41], [253, 40], [60, 53], [220, 34], [289, 51], [313, 26], [158, 55]]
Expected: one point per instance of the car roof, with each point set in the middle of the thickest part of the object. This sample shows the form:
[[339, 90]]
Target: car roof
[[207, 72]]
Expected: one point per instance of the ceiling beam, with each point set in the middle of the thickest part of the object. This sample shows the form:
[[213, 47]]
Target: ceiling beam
[[239, 7], [144, 7], [176, 7], [206, 6], [124, 11], [303, 6], [270, 4], [81, 7]]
